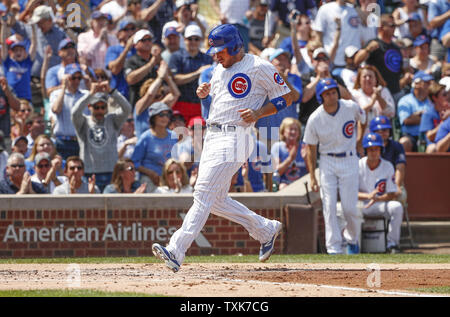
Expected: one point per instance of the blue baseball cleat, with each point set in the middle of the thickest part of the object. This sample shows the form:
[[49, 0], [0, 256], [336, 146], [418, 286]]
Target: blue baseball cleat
[[266, 249], [352, 248], [161, 253]]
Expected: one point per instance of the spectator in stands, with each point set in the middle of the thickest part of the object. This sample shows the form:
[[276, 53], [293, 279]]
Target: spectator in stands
[[186, 66], [404, 14], [116, 55], [75, 182], [44, 144], [422, 61], [281, 59], [256, 27], [350, 72], [62, 102], [154, 146], [325, 25], [92, 45], [134, 9], [126, 140], [443, 135], [321, 63], [287, 154], [259, 166], [416, 26], [48, 33], [97, 134], [156, 13], [162, 89], [177, 120], [142, 65], [372, 95], [392, 151], [438, 13], [369, 19], [46, 173], [17, 180], [124, 179], [377, 189], [278, 19], [234, 12], [18, 126], [410, 109], [240, 182], [18, 63], [37, 127], [8, 102], [174, 179], [20, 145], [384, 55], [171, 41], [434, 116]]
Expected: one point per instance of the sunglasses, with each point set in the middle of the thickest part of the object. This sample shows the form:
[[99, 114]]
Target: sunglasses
[[99, 107], [43, 165], [147, 40], [25, 110], [131, 28], [78, 167], [17, 165], [193, 38], [76, 78], [321, 59], [164, 114]]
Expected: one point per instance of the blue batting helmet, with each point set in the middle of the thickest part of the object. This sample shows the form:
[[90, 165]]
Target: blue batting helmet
[[372, 139], [379, 123], [324, 85], [223, 36]]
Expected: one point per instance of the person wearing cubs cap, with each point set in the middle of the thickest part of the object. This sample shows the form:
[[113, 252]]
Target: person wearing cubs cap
[[46, 172], [18, 63], [97, 133], [377, 189], [154, 146], [422, 59], [410, 109], [236, 96], [392, 151], [333, 128]]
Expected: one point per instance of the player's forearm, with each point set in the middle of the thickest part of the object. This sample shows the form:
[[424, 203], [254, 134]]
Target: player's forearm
[[311, 159]]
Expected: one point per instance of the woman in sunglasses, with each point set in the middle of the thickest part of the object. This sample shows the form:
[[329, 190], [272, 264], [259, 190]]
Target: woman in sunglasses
[[124, 179]]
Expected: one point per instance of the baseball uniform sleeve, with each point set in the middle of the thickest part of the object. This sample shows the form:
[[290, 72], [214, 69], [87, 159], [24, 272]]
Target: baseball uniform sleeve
[[310, 136], [272, 81]]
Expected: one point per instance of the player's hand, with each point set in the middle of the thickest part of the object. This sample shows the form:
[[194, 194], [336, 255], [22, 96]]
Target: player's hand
[[203, 90], [314, 185], [248, 115]]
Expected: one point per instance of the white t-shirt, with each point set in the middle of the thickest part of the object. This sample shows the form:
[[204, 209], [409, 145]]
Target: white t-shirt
[[114, 9], [351, 30], [234, 10]]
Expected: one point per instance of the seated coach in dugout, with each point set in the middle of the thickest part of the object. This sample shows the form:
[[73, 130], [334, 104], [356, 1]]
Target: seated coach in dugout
[[17, 180]]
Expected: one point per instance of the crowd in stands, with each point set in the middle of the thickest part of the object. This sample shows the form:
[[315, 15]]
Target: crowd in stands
[[105, 101]]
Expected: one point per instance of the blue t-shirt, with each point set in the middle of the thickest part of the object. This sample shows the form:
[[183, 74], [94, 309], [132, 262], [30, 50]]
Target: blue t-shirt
[[443, 130], [437, 8], [394, 153], [286, 45], [18, 75], [273, 122], [430, 119], [297, 168], [141, 122], [258, 163], [152, 152], [118, 81], [444, 31], [51, 78], [407, 105]]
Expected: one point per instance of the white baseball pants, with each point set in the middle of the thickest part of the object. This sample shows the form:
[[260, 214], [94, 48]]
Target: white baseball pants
[[223, 154], [339, 173]]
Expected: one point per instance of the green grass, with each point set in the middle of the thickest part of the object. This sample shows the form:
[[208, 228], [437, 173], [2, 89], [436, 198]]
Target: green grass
[[438, 290], [299, 258], [70, 293]]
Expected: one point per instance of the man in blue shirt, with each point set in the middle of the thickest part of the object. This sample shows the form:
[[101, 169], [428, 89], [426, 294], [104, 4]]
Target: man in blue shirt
[[443, 137], [411, 108], [281, 60], [117, 54], [438, 13], [186, 66]]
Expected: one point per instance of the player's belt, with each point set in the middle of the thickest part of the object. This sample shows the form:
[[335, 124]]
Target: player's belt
[[215, 127], [342, 154]]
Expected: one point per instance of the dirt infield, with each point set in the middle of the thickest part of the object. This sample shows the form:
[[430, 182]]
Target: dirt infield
[[232, 280]]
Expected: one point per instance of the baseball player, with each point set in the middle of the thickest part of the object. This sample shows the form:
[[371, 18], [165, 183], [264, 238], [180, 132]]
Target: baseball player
[[377, 188], [332, 128], [238, 88]]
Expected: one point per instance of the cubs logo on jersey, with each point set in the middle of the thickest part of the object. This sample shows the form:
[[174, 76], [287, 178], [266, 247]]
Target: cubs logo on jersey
[[348, 128], [380, 186], [278, 79], [239, 85]]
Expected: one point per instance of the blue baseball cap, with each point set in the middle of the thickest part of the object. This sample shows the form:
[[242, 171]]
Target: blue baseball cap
[[72, 69], [414, 17], [171, 31], [278, 52], [97, 15], [64, 43], [421, 39], [125, 22], [21, 43], [422, 76]]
